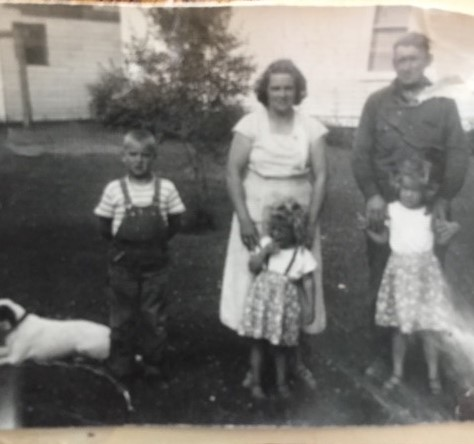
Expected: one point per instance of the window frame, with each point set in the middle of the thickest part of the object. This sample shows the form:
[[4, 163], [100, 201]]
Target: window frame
[[40, 43], [377, 27]]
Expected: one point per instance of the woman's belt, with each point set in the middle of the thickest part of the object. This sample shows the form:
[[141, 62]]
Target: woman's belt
[[297, 176]]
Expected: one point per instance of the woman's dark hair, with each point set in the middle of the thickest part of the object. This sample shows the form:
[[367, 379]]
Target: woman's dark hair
[[281, 66]]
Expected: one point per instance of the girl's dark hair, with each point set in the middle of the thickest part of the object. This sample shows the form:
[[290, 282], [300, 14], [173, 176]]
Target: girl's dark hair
[[281, 66], [291, 214], [419, 173]]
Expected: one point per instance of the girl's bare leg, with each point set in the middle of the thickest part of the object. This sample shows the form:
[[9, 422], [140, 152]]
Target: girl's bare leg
[[430, 348], [256, 363], [399, 352], [281, 359], [399, 348]]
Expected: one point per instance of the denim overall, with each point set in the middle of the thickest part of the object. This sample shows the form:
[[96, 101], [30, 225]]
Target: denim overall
[[138, 276]]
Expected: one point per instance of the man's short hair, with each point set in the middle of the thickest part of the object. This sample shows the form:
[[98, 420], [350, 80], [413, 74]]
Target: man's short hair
[[415, 39], [141, 136]]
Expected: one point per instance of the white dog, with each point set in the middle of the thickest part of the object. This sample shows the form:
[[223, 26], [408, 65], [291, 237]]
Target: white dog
[[30, 337]]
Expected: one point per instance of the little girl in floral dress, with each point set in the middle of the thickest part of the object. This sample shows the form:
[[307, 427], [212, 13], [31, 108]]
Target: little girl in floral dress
[[272, 310], [413, 295]]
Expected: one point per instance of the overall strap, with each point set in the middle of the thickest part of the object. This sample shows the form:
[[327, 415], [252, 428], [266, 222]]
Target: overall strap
[[292, 261], [126, 194], [157, 196]]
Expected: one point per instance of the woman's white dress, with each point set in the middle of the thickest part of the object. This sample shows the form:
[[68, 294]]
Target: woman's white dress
[[278, 168]]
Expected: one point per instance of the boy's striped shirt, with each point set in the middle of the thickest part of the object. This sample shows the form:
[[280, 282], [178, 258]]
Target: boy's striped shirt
[[112, 202]]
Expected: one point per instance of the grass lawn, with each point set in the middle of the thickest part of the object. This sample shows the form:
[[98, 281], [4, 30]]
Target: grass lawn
[[53, 262]]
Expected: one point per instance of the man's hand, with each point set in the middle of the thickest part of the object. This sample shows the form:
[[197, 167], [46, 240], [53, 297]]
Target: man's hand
[[444, 230], [376, 211], [440, 209]]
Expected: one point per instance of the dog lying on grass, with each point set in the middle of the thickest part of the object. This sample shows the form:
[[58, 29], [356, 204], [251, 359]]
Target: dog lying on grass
[[31, 337]]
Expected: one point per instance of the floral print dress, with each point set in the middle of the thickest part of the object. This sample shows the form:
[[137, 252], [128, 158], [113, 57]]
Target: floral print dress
[[272, 309]]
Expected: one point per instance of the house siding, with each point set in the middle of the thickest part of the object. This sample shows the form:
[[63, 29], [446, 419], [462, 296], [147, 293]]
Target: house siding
[[331, 46], [76, 50]]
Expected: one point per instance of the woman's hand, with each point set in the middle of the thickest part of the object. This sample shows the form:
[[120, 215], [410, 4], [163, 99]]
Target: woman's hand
[[248, 233], [236, 167], [271, 248], [318, 168], [310, 233]]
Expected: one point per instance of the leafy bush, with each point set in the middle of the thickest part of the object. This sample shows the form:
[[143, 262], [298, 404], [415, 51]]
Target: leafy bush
[[104, 94], [340, 136]]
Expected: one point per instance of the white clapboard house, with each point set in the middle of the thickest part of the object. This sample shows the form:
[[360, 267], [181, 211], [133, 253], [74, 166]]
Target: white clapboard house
[[50, 53], [48, 56]]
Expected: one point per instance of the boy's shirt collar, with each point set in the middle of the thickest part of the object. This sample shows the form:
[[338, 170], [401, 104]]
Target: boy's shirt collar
[[130, 181]]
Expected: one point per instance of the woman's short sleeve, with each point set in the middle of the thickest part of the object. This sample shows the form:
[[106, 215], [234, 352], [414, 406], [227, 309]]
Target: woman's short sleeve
[[247, 126]]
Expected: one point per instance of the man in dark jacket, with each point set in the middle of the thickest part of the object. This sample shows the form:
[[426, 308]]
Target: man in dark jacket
[[395, 126]]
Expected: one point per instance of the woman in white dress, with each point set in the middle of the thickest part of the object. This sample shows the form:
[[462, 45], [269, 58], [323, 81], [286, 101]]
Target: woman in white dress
[[277, 152]]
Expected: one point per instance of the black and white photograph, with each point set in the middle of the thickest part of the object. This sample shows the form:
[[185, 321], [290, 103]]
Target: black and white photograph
[[235, 215]]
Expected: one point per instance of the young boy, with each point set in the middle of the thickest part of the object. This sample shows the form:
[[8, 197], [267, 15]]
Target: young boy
[[138, 214]]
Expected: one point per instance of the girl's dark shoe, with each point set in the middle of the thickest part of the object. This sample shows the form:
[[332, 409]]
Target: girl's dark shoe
[[257, 392], [255, 389], [284, 391], [392, 383], [247, 382], [304, 374], [435, 386]]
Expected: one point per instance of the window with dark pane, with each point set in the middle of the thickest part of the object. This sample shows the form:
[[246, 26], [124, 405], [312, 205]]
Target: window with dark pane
[[33, 37], [390, 23]]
